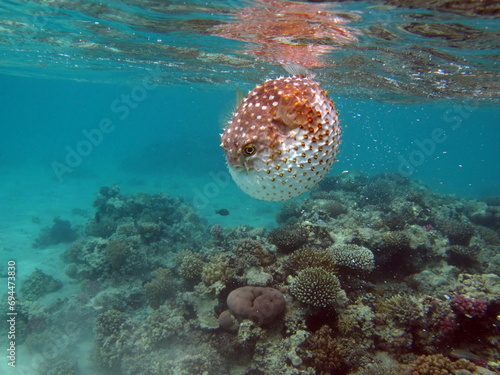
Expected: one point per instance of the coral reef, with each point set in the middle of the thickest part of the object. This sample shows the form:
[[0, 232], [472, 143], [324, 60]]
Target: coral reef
[[217, 270], [329, 355], [470, 307], [315, 286], [161, 287], [458, 233], [38, 284], [311, 257], [289, 213], [59, 366], [61, 231], [288, 238], [252, 252], [110, 326], [353, 256], [190, 265], [366, 275], [437, 364]]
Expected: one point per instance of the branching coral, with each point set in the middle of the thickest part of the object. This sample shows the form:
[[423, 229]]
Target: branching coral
[[190, 265], [470, 307], [405, 309], [253, 248], [395, 240], [109, 322], [311, 257], [161, 287], [437, 364], [353, 256], [110, 325], [289, 213], [217, 269], [118, 253], [459, 233], [288, 238], [315, 286], [328, 356]]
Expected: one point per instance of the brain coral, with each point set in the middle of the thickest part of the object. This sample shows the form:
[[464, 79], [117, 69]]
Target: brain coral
[[315, 286], [262, 305], [353, 256], [288, 238]]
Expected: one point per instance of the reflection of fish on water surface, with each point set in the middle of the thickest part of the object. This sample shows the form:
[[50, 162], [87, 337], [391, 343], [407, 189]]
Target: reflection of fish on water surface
[[283, 138]]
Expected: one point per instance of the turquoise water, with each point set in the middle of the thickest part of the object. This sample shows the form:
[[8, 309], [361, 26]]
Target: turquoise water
[[136, 94]]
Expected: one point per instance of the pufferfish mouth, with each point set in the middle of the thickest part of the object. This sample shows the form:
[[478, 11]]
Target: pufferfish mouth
[[244, 164], [240, 162]]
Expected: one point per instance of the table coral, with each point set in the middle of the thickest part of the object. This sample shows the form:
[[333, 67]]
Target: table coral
[[353, 256], [315, 286]]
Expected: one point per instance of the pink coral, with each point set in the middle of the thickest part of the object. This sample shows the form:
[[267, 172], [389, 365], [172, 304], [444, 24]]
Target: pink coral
[[470, 307], [448, 324], [260, 304]]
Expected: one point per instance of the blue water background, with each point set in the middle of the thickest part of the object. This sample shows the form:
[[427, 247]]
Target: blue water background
[[168, 139]]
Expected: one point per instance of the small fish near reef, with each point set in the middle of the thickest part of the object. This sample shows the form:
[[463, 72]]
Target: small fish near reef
[[222, 212], [283, 137]]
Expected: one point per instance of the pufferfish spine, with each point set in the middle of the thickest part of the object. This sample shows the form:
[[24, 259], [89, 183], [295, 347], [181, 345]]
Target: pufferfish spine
[[282, 139]]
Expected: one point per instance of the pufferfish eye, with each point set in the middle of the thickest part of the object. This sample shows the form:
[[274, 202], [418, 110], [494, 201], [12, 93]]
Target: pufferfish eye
[[249, 149]]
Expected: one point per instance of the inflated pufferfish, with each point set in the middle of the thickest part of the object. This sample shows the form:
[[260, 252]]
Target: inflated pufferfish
[[283, 138]]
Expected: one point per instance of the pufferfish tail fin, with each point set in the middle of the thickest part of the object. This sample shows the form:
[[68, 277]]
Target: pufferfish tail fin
[[298, 70]]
